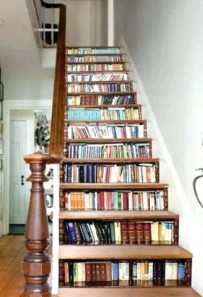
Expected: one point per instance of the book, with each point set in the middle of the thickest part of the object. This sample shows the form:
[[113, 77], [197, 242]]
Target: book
[[147, 232], [88, 272], [66, 273], [108, 272], [71, 273], [94, 274], [103, 272], [94, 233], [78, 235], [101, 236], [85, 232], [139, 226], [132, 236], [98, 272], [124, 275], [124, 232], [71, 231], [115, 273], [155, 232], [117, 226]]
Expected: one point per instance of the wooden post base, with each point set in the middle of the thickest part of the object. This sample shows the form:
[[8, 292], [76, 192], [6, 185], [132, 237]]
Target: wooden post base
[[36, 265]]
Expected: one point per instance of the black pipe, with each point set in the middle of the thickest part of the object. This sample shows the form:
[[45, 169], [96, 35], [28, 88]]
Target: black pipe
[[49, 5]]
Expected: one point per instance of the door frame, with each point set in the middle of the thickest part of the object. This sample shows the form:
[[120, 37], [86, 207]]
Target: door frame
[[9, 106]]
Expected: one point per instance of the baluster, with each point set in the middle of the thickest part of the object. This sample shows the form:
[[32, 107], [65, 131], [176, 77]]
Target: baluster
[[36, 265]]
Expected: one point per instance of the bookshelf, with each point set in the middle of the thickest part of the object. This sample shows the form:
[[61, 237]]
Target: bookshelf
[[115, 229]]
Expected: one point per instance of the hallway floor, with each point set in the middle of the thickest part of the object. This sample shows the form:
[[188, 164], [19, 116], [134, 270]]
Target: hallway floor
[[12, 251]]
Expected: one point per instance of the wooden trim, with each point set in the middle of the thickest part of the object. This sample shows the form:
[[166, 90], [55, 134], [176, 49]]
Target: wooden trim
[[57, 122], [36, 265], [157, 291], [126, 252], [113, 186], [118, 215]]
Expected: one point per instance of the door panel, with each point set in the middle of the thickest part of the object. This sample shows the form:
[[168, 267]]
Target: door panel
[[19, 193], [21, 143]]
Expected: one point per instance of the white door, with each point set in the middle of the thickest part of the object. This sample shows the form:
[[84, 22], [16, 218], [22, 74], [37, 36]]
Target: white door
[[21, 143]]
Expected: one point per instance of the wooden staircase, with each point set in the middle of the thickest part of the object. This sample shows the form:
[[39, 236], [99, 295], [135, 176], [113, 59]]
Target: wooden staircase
[[101, 97], [145, 249]]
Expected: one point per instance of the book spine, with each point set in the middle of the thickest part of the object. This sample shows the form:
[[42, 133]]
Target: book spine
[[124, 232]]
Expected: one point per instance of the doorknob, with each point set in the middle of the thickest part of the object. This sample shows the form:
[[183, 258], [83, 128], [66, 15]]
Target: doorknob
[[22, 181]]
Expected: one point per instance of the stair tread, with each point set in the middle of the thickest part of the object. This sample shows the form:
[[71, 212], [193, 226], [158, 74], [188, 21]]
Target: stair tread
[[112, 186], [92, 46], [112, 160], [108, 140], [128, 292], [145, 214], [124, 252]]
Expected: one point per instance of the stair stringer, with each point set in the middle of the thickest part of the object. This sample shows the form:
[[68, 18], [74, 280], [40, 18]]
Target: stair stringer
[[178, 201]]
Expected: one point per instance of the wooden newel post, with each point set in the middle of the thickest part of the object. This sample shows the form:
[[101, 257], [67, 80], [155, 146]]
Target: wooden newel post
[[36, 265]]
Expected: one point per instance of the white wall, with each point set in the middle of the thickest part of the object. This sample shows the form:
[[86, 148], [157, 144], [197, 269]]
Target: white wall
[[21, 54], [29, 84], [164, 38]]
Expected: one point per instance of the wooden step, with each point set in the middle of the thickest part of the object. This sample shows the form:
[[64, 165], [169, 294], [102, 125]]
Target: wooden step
[[116, 215], [109, 140], [110, 161], [113, 186], [128, 292], [124, 252]]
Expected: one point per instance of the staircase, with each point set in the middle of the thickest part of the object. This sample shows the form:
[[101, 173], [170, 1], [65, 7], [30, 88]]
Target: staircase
[[117, 236]]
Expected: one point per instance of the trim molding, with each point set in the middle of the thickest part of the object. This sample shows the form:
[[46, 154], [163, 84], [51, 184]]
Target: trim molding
[[10, 105]]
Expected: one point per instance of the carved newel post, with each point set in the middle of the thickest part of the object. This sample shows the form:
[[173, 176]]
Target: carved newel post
[[36, 265]]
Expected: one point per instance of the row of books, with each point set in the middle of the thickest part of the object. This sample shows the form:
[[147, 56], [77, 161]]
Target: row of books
[[91, 173], [123, 272], [97, 77], [101, 100], [111, 113], [119, 232], [95, 67], [106, 132], [109, 151], [101, 88], [95, 51], [114, 200], [89, 58]]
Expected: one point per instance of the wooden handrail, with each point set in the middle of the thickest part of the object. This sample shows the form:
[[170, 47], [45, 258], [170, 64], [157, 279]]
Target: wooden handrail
[[57, 121], [36, 265]]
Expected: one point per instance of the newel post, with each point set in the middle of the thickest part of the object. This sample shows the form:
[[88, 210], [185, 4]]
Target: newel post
[[36, 265]]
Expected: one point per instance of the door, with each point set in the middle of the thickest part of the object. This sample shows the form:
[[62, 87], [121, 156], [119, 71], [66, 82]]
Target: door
[[21, 143]]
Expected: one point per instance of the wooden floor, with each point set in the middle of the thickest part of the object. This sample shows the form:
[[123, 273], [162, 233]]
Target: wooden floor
[[12, 251]]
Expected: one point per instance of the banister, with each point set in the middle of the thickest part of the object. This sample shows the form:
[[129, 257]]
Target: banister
[[50, 5], [57, 121], [36, 265]]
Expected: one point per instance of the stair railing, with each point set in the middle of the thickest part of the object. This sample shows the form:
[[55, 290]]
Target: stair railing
[[46, 15], [50, 29], [36, 265]]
